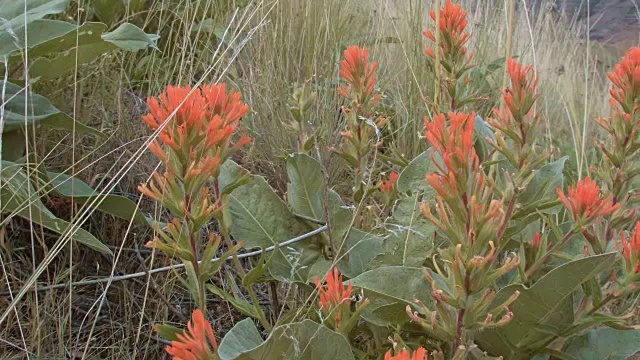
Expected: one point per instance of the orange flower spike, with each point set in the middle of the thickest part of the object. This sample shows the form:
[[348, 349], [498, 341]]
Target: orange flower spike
[[389, 184], [334, 292], [419, 354], [537, 240], [522, 94], [586, 202], [197, 343], [626, 81], [453, 24], [631, 248], [356, 69]]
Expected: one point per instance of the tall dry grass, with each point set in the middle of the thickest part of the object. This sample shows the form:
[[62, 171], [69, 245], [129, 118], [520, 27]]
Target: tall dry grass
[[269, 46]]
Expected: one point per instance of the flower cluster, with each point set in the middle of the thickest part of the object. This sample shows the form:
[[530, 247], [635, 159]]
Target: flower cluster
[[198, 342], [631, 251], [624, 123], [360, 132], [586, 203], [405, 354], [335, 301], [454, 37]]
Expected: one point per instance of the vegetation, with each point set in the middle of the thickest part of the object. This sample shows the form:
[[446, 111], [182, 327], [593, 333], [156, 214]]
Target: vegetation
[[307, 179]]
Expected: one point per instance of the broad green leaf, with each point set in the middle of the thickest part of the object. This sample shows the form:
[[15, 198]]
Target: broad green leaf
[[537, 308], [605, 344], [413, 177], [38, 110], [304, 340], [396, 282], [131, 38], [260, 218], [39, 32], [19, 198], [362, 248], [305, 189], [167, 331], [79, 46], [14, 17], [243, 337], [108, 11], [116, 205], [544, 183], [409, 239], [13, 145]]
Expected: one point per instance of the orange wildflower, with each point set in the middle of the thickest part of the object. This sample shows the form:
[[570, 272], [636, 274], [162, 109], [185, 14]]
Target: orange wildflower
[[201, 129], [631, 248], [537, 240], [419, 354], [356, 69], [334, 292], [585, 201], [454, 144], [197, 343], [452, 26], [518, 101], [626, 81], [389, 184]]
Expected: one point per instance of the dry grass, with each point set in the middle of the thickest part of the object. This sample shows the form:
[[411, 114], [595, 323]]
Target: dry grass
[[270, 46]]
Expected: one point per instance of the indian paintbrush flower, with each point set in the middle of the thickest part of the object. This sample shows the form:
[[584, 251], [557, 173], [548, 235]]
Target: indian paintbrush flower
[[389, 184], [585, 202], [405, 354], [198, 342], [454, 37], [335, 301], [631, 249]]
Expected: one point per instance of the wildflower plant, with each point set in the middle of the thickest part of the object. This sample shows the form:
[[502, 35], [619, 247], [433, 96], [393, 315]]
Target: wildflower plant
[[484, 249]]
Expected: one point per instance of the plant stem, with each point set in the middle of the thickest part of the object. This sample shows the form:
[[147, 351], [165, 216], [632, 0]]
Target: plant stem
[[602, 303], [544, 257], [436, 96], [236, 262]]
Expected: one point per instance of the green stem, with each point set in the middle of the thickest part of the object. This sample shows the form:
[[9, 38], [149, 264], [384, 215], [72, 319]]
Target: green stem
[[544, 257], [254, 298]]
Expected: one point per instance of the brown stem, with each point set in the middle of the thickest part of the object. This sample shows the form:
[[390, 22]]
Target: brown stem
[[459, 331]]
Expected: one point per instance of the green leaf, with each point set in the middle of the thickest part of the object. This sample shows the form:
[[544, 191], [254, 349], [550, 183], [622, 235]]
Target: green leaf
[[131, 38], [537, 309], [38, 110], [605, 344], [19, 198], [304, 340], [396, 282], [410, 236], [413, 177], [167, 331], [13, 145], [39, 32], [78, 46], [116, 205], [235, 300], [305, 189], [257, 216], [544, 183], [107, 11], [15, 18], [362, 248], [243, 337]]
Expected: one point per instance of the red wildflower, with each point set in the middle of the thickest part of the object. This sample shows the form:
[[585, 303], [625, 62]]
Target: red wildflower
[[389, 184], [454, 144], [631, 248], [626, 81], [419, 354], [537, 240], [334, 292], [356, 69], [586, 202], [452, 26], [197, 343], [201, 130]]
